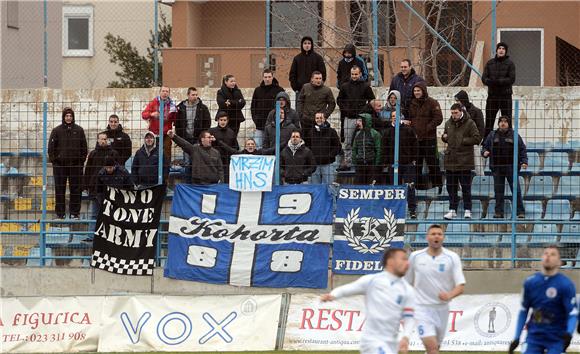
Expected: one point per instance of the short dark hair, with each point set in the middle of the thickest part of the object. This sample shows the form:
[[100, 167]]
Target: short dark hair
[[267, 71], [110, 161], [102, 133], [434, 226], [202, 133], [114, 116], [408, 61], [456, 107], [315, 72], [191, 89], [356, 67], [390, 253], [296, 131]]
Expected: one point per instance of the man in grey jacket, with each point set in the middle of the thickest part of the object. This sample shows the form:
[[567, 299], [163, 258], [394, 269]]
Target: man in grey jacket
[[206, 162]]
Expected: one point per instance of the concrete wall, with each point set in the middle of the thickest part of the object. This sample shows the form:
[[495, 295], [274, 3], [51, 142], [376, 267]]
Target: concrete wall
[[545, 113], [85, 281], [22, 54], [132, 20]]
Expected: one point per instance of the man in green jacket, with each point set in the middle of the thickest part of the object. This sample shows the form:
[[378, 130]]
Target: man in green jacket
[[366, 151], [460, 134]]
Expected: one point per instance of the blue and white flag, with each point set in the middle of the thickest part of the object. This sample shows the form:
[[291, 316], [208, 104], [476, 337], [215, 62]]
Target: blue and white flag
[[369, 219], [269, 239]]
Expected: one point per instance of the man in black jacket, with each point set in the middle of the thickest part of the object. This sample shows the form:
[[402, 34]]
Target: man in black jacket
[[263, 101], [325, 146], [499, 75], [118, 139], [353, 98], [67, 151], [407, 159], [95, 162], [350, 59], [404, 83], [223, 133], [296, 160], [192, 118], [304, 64]]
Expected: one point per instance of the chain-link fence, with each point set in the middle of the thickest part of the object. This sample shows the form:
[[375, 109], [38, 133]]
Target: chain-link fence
[[492, 237]]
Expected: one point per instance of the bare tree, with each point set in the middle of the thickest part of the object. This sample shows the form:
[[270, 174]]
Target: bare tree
[[452, 19]]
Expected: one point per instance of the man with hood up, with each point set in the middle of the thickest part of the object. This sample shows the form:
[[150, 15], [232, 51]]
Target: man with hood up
[[350, 59], [118, 139], [499, 148], [286, 129], [263, 101], [404, 83], [425, 116], [285, 105], [296, 160], [144, 169], [461, 135], [499, 75], [304, 64], [366, 150], [67, 151]]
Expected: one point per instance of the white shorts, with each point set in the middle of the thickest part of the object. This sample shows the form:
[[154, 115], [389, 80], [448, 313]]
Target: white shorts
[[432, 321], [379, 348]]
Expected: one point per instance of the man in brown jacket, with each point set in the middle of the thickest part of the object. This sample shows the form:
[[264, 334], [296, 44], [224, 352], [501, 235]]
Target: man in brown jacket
[[425, 116], [460, 134]]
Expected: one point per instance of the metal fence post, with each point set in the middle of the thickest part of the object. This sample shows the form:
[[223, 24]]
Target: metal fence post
[[267, 31], [156, 44], [515, 178], [397, 137], [375, 13], [277, 171], [493, 27]]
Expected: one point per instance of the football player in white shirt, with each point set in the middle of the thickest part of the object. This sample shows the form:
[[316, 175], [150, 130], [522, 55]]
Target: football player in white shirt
[[437, 276], [389, 298]]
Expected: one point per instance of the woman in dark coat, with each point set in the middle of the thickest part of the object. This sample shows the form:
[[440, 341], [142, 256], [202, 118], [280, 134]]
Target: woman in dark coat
[[231, 101]]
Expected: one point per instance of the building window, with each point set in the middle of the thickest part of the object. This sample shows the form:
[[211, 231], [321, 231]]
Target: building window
[[290, 20], [526, 50], [77, 32], [12, 14]]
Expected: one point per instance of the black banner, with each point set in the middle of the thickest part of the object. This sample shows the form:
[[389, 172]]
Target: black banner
[[126, 233]]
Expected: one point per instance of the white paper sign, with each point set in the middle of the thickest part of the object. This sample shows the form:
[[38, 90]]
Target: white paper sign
[[50, 325], [252, 173], [476, 323], [188, 324]]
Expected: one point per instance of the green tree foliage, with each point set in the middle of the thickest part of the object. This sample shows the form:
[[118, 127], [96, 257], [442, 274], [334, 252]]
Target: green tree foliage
[[137, 70]]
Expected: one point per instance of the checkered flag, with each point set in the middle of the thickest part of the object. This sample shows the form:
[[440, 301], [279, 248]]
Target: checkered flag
[[127, 230], [122, 266]]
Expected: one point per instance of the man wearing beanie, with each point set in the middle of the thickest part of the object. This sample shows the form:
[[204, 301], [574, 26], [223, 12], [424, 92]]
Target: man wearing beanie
[[499, 148], [499, 75]]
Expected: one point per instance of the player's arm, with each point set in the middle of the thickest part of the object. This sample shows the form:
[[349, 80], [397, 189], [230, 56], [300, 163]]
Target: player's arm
[[522, 317], [459, 280], [408, 321], [358, 287], [571, 307]]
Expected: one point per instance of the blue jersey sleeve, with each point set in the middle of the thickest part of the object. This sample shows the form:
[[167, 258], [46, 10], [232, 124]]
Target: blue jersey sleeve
[[525, 307], [571, 307]]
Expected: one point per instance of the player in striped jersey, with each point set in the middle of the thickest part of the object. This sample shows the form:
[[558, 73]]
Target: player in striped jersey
[[437, 276], [389, 298]]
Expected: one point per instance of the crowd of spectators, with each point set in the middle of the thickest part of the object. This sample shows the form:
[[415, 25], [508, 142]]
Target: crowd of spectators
[[311, 150]]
